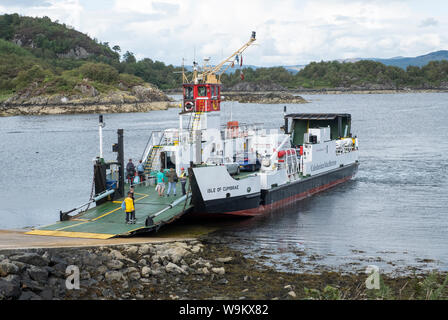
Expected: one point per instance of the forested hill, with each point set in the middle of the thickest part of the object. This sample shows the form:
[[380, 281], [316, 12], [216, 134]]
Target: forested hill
[[363, 74], [42, 57], [51, 40]]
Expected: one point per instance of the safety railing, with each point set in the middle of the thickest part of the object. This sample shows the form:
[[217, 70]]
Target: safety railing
[[156, 136]]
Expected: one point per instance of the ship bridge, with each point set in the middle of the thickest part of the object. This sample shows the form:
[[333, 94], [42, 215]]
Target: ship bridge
[[300, 123]]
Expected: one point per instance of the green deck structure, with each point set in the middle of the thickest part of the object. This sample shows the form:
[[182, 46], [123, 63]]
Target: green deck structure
[[108, 219]]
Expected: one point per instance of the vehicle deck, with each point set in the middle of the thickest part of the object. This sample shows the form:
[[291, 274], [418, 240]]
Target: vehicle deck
[[108, 219]]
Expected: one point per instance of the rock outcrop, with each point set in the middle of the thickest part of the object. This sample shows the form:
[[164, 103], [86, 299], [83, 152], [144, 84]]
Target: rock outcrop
[[89, 100], [112, 272], [261, 86], [75, 53], [148, 92], [264, 98], [6, 111], [195, 269], [87, 93]]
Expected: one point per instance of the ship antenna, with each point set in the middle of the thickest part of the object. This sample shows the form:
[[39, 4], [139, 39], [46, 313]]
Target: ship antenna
[[194, 54]]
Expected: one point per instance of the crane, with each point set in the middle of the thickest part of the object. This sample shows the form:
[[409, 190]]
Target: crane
[[203, 93], [213, 74]]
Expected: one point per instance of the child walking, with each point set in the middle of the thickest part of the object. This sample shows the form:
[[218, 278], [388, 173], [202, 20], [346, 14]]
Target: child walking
[[129, 208]]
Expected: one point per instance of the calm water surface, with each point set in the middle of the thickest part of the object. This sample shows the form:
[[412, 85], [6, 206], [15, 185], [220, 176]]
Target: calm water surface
[[392, 214]]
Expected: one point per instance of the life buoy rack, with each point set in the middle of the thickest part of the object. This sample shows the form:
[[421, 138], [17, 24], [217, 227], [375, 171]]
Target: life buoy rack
[[189, 106], [281, 154]]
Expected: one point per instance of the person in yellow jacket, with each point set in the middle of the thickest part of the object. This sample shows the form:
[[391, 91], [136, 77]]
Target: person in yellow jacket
[[183, 180], [129, 208]]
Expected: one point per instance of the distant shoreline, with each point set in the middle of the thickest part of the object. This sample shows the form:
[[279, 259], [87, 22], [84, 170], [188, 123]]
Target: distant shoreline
[[9, 110], [295, 96], [329, 91], [273, 97], [367, 91]]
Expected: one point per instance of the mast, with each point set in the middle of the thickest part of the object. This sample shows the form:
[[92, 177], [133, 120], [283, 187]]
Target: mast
[[101, 125]]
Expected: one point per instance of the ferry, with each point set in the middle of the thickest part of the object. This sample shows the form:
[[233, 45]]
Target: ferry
[[301, 161], [308, 153]]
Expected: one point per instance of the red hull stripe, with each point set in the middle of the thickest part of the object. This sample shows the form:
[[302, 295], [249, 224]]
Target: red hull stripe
[[281, 203]]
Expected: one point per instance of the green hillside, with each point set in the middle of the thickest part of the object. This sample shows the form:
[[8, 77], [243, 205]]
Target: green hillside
[[39, 56], [51, 40], [21, 71], [42, 57], [362, 74]]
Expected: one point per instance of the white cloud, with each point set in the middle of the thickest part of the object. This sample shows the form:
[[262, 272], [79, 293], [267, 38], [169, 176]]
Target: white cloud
[[429, 22], [288, 31], [65, 11], [147, 7], [425, 40]]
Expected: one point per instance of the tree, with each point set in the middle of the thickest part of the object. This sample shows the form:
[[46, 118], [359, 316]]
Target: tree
[[99, 72], [129, 57]]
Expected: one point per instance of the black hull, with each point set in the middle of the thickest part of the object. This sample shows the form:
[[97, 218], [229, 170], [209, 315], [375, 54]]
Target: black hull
[[266, 200]]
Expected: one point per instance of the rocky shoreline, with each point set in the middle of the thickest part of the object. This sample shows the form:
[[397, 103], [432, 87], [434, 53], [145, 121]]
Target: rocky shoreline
[[89, 100], [294, 93], [263, 97], [117, 104], [31, 110], [190, 269]]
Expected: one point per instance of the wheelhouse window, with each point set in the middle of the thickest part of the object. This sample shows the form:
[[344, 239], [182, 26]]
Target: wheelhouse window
[[202, 91], [188, 93]]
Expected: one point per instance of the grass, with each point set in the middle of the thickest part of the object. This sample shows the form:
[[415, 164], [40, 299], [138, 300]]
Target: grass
[[5, 95], [432, 289], [328, 293]]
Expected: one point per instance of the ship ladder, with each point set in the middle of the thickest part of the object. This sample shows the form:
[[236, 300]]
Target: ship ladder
[[196, 124], [155, 150]]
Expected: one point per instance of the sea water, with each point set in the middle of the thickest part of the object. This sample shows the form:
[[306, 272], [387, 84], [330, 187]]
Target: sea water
[[392, 214]]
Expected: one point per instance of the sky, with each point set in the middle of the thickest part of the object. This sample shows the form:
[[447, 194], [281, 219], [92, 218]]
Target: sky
[[288, 32]]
